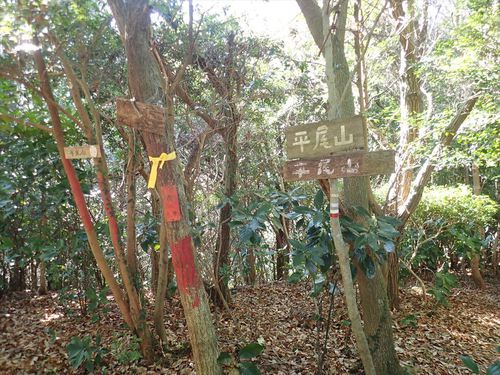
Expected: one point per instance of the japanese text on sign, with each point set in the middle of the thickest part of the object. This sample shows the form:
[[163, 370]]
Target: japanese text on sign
[[325, 138]]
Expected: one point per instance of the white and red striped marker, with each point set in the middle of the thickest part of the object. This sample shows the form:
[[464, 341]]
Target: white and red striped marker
[[334, 210]]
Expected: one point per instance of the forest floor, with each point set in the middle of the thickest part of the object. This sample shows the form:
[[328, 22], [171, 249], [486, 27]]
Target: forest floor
[[34, 332]]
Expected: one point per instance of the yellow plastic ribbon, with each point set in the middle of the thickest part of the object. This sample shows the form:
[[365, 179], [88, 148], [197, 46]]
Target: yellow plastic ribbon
[[158, 162]]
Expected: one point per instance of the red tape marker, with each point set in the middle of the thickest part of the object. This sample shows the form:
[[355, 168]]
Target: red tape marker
[[334, 215], [171, 209]]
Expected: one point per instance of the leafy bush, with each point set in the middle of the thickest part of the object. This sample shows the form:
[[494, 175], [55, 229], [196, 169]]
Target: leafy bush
[[126, 349], [243, 363], [81, 352], [443, 284], [446, 224]]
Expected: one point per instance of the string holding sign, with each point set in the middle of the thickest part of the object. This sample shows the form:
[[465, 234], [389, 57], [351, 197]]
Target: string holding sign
[[158, 163]]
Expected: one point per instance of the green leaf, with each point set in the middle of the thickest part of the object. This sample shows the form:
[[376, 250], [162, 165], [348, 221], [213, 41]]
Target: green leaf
[[224, 358], [470, 364], [249, 368], [295, 277], [319, 199], [493, 369], [251, 350]]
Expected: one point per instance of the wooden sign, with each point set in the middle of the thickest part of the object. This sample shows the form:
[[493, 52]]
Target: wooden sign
[[141, 116], [350, 164], [325, 138], [82, 152]]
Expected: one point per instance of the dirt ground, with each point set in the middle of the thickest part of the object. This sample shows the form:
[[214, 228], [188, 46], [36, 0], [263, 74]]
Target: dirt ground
[[34, 332]]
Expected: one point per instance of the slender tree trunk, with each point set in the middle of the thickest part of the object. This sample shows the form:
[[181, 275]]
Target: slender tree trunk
[[282, 257], [128, 274], [146, 85], [252, 272], [376, 314], [33, 275], [43, 278], [76, 189], [342, 251], [476, 258], [131, 197], [412, 109], [221, 256]]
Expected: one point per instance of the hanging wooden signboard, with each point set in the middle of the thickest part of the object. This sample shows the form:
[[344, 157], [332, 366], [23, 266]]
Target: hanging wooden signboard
[[325, 138], [141, 116], [350, 164], [82, 152]]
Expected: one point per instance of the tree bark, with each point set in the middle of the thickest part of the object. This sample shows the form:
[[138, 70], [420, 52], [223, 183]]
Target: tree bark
[[146, 85]]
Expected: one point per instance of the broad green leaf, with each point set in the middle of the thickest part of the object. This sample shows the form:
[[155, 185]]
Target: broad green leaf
[[249, 368], [224, 358], [493, 369], [470, 364], [251, 350]]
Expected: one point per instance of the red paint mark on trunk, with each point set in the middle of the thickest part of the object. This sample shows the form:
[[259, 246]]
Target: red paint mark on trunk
[[171, 209], [184, 265], [334, 215], [76, 189]]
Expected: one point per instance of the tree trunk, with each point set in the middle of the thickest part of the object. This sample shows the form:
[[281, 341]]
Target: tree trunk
[[411, 108], [161, 289], [252, 272], [43, 278], [476, 258], [376, 314], [147, 85], [221, 256], [282, 257], [33, 275], [342, 251], [131, 197]]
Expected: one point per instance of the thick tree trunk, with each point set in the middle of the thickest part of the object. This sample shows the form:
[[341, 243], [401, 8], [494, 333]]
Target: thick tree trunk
[[476, 258], [161, 289], [147, 85]]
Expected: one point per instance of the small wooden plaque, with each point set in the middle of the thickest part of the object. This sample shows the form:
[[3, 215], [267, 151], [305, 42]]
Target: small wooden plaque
[[325, 138], [349, 164], [141, 116], [82, 152]]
